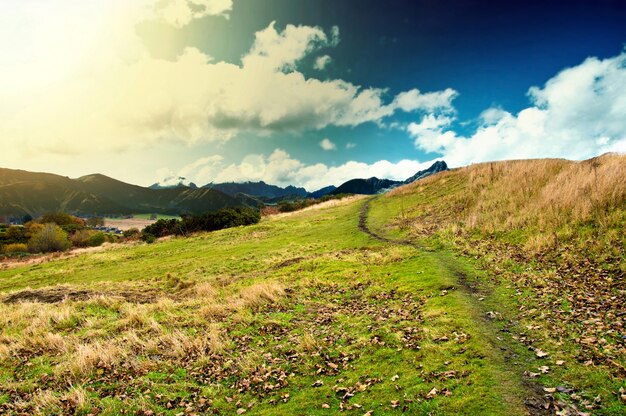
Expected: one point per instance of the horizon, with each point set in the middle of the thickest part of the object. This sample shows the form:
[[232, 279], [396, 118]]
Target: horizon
[[309, 95]]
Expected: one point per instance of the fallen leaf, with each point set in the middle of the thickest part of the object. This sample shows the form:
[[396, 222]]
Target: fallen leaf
[[540, 354], [432, 393]]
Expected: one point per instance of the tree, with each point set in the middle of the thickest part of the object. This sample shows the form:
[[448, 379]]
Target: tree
[[50, 238], [95, 222]]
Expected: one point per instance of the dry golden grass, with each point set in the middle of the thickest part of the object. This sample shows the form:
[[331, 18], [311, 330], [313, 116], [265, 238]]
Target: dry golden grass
[[324, 205], [87, 357], [548, 196], [261, 293], [46, 402], [308, 343], [205, 290], [77, 397]]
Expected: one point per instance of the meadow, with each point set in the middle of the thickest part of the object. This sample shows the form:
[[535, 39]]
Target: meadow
[[450, 302]]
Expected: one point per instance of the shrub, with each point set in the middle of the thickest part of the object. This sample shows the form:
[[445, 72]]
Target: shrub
[[81, 238], [131, 233], [15, 248], [95, 221], [50, 238], [61, 219], [15, 234], [148, 238], [97, 239]]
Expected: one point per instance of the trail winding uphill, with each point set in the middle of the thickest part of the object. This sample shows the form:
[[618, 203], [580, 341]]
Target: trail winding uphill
[[532, 394]]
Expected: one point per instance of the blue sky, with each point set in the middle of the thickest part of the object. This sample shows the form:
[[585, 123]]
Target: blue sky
[[192, 94]]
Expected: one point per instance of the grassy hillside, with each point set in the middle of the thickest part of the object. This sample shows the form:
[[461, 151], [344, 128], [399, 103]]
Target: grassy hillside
[[460, 294], [551, 236], [300, 314]]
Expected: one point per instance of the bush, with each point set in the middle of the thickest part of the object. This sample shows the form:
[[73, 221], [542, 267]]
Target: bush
[[97, 239], [95, 221], [50, 238], [15, 248], [81, 238], [61, 219], [131, 233], [148, 238]]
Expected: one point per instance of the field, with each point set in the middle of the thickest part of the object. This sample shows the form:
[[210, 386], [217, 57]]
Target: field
[[369, 306], [139, 221]]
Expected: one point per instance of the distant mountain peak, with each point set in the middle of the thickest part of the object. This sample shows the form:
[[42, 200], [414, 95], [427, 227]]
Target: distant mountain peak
[[174, 182], [438, 166], [258, 189]]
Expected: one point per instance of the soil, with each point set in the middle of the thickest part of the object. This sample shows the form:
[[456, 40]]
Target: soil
[[59, 294]]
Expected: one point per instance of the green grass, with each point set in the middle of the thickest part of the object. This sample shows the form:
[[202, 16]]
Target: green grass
[[384, 323], [551, 301]]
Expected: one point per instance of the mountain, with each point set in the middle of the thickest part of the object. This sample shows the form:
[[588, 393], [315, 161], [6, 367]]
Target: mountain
[[321, 192], [258, 189], [23, 192], [32, 193], [173, 182], [374, 185], [438, 166], [369, 186], [166, 200]]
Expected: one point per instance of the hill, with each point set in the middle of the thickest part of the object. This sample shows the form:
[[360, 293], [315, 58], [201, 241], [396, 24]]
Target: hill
[[23, 192], [322, 191], [446, 296]]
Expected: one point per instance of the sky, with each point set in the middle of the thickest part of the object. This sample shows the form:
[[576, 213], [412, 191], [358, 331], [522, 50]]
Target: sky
[[309, 92]]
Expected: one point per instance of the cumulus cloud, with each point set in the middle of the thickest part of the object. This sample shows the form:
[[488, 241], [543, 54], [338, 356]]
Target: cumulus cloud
[[123, 97], [179, 13], [350, 145], [200, 171], [280, 168], [326, 144], [434, 101], [321, 62], [579, 113]]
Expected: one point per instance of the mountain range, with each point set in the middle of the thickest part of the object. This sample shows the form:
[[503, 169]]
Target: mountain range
[[32, 193], [374, 185]]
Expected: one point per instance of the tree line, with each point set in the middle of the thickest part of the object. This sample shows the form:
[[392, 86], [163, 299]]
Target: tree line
[[210, 221]]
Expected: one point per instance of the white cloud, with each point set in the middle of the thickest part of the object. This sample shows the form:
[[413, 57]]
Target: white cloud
[[122, 97], [350, 145], [281, 169], [433, 101], [579, 113], [326, 144], [201, 172], [321, 62], [179, 13]]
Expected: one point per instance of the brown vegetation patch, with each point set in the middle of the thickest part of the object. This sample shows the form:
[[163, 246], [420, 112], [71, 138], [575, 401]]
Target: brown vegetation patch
[[288, 262], [59, 294]]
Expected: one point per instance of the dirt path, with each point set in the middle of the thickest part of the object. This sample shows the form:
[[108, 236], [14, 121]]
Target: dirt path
[[535, 402]]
